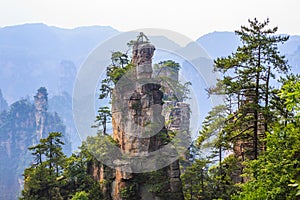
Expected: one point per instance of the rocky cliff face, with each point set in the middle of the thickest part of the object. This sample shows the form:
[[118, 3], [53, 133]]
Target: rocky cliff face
[[21, 127], [41, 105], [17, 128], [139, 129]]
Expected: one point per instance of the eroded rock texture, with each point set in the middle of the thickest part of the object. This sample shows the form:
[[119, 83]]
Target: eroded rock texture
[[41, 105], [137, 118]]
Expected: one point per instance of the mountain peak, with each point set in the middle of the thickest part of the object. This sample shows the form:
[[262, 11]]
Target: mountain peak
[[219, 43]]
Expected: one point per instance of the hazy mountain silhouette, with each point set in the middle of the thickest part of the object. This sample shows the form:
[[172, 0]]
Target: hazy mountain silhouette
[[220, 44], [32, 55]]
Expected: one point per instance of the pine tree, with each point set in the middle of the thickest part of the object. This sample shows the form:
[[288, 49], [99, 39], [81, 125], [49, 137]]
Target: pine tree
[[246, 81], [277, 170], [212, 136], [103, 117], [41, 178]]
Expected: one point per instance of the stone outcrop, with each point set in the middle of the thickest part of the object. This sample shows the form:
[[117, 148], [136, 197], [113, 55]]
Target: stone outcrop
[[41, 106], [19, 128], [137, 118]]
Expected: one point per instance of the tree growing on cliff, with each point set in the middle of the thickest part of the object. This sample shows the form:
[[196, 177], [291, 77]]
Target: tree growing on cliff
[[246, 79], [103, 117], [120, 64], [54, 176], [258, 116], [277, 170]]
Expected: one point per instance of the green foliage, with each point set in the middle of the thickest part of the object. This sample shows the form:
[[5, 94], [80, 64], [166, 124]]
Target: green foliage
[[215, 139], [129, 192], [295, 184], [141, 39], [82, 195], [195, 180], [174, 90], [251, 104], [202, 180], [18, 132], [290, 93], [40, 183], [221, 178], [254, 114], [40, 178], [212, 134], [246, 81], [54, 176], [275, 173], [103, 117], [119, 66], [167, 73], [158, 182], [168, 64], [276, 168], [102, 146], [165, 136]]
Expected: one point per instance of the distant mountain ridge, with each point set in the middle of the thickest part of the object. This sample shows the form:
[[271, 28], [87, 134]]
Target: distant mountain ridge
[[221, 44], [31, 55], [34, 55]]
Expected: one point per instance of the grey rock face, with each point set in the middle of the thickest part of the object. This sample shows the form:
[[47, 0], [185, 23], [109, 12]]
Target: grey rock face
[[137, 118], [41, 106]]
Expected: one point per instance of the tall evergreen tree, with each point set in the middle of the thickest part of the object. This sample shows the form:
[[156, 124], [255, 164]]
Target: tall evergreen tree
[[53, 176], [41, 177], [212, 136], [103, 117], [277, 170], [247, 75]]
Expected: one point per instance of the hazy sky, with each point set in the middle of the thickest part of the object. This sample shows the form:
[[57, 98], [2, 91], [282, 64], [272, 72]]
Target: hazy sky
[[190, 17]]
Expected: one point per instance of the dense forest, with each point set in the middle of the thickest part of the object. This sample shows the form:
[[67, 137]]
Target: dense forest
[[248, 147]]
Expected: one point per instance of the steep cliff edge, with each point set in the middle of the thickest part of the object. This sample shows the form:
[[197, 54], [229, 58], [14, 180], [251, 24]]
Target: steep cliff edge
[[139, 128], [21, 127]]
